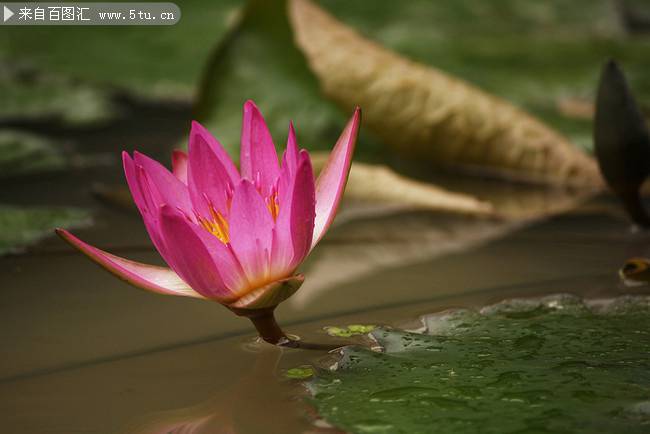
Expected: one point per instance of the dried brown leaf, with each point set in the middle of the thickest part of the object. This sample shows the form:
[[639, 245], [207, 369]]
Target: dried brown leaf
[[379, 183], [423, 112]]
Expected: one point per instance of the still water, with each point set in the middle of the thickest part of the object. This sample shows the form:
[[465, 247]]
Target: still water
[[85, 353]]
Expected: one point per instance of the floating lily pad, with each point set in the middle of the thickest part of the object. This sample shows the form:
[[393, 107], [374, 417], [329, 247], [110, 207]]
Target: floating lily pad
[[25, 152], [26, 93], [556, 364], [20, 227], [77, 74], [158, 60]]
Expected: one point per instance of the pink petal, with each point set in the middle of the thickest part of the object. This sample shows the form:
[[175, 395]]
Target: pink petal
[[258, 159], [201, 260], [169, 189], [290, 159], [129, 172], [332, 179], [152, 278], [198, 131], [141, 192], [294, 226], [179, 165], [209, 181], [251, 227]]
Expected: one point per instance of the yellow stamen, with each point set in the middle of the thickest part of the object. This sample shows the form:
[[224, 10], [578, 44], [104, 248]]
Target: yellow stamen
[[273, 205], [217, 225]]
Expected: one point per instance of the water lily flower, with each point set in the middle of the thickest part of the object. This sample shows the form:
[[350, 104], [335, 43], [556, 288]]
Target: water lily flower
[[232, 236]]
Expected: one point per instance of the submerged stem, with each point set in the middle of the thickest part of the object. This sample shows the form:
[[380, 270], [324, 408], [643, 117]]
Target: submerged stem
[[269, 330], [264, 321]]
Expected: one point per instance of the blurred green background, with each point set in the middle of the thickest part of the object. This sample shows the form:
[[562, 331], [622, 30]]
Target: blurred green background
[[73, 97]]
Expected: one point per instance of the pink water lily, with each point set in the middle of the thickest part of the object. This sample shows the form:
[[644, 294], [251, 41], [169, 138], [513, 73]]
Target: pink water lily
[[235, 237]]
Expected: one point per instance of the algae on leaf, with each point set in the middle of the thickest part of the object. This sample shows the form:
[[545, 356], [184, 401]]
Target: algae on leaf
[[556, 364], [20, 226], [299, 373], [350, 330]]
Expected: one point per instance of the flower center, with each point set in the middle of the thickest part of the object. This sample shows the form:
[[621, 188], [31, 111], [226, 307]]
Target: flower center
[[273, 205], [217, 225]]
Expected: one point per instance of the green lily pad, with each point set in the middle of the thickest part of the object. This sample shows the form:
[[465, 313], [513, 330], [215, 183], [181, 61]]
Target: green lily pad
[[20, 227], [556, 364], [152, 61], [77, 74], [25, 153], [26, 93]]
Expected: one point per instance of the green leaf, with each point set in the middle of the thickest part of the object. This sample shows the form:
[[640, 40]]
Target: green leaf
[[556, 364], [259, 61], [25, 153], [146, 60], [76, 74], [20, 227], [52, 96]]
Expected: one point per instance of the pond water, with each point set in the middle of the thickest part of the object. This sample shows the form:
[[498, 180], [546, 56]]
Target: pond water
[[84, 352]]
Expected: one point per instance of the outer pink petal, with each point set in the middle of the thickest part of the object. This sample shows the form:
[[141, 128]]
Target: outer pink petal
[[209, 181], [251, 228], [258, 159], [149, 277], [170, 190], [129, 172], [179, 165], [332, 179], [295, 223], [303, 210], [205, 263], [141, 192], [199, 131], [291, 153]]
